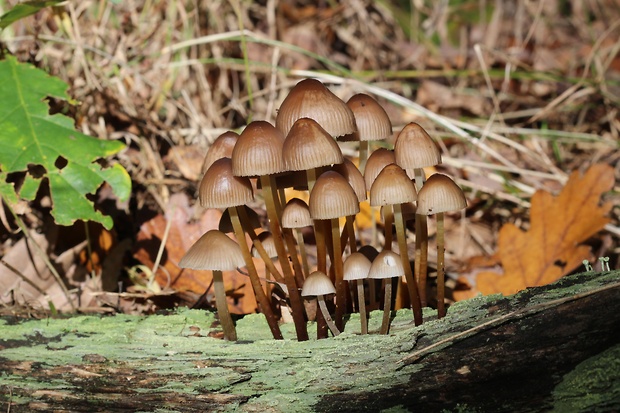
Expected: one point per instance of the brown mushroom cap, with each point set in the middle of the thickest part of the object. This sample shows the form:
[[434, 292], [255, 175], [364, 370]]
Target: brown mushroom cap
[[378, 160], [317, 283], [332, 197], [440, 194], [309, 146], [387, 265], [414, 148], [356, 267], [213, 251], [258, 150], [392, 186], [354, 178], [225, 224], [266, 239], [311, 99], [373, 123], [219, 188], [296, 214], [222, 147]]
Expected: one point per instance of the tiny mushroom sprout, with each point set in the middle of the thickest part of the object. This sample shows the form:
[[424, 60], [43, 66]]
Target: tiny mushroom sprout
[[311, 99], [216, 252], [393, 188], [332, 198], [258, 152], [438, 195], [319, 285], [296, 215], [373, 124], [386, 266], [219, 188], [415, 149], [356, 268]]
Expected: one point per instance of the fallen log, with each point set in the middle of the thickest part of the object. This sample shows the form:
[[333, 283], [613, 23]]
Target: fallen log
[[547, 348]]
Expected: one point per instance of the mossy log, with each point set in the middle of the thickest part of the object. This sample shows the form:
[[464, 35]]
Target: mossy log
[[552, 348]]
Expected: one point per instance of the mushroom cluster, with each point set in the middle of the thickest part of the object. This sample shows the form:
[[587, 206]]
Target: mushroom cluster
[[301, 151]]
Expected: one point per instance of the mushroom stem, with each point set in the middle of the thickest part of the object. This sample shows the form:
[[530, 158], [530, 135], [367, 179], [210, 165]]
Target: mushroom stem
[[290, 244], [351, 233], [387, 307], [326, 316], [441, 281], [293, 291], [421, 242], [302, 250], [361, 299], [338, 271], [411, 283], [222, 307], [387, 227], [363, 154], [261, 298]]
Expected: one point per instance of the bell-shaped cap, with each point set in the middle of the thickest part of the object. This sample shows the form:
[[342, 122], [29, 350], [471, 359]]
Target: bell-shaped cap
[[309, 146], [219, 188], [356, 267], [373, 123], [311, 99], [213, 251], [258, 150], [377, 160], [296, 214], [222, 147], [387, 265], [392, 186], [225, 224], [414, 148], [269, 244], [332, 197], [440, 194], [354, 178], [317, 283]]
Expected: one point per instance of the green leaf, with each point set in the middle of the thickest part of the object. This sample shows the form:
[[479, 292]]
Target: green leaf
[[24, 10], [29, 135]]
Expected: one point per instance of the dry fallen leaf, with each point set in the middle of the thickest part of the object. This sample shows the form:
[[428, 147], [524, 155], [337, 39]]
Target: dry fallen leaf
[[551, 248]]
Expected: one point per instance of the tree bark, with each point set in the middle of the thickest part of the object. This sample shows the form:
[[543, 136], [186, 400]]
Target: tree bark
[[555, 347]]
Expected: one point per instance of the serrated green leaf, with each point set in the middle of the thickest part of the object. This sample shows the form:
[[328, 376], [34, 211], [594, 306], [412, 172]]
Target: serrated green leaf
[[29, 135], [24, 10]]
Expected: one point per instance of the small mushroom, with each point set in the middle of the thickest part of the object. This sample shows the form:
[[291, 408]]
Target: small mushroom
[[386, 266], [216, 252], [319, 285], [438, 195], [356, 268]]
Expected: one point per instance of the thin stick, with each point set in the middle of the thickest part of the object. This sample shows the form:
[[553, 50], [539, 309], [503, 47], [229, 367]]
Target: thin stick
[[41, 255], [261, 298], [302, 250], [230, 333]]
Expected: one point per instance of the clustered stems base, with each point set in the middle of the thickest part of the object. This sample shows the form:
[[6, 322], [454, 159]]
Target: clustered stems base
[[261, 298]]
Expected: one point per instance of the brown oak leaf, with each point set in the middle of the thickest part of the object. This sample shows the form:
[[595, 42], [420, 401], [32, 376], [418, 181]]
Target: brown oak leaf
[[552, 247]]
